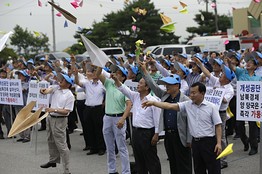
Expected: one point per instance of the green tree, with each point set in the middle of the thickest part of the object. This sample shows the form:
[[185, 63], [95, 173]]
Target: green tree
[[115, 29], [6, 52], [206, 22], [27, 43]]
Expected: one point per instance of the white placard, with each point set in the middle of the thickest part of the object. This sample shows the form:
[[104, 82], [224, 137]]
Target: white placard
[[11, 92], [132, 85], [35, 95], [249, 100], [215, 95]]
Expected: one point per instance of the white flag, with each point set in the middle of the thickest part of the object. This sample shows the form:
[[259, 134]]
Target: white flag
[[3, 40], [97, 56]]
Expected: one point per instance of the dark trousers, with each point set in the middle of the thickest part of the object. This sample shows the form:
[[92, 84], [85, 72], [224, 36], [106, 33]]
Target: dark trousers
[[204, 156], [80, 105], [231, 123], [145, 154], [94, 126], [72, 120], [179, 156], [253, 133]]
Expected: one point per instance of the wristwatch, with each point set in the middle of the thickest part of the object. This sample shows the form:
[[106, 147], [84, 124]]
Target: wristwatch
[[55, 111]]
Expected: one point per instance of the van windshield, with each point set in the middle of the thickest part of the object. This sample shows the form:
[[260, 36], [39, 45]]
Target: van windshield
[[233, 45], [194, 49], [172, 50], [113, 51]]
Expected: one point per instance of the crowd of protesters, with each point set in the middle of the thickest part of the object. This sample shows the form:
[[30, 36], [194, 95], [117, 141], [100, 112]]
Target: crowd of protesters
[[103, 104]]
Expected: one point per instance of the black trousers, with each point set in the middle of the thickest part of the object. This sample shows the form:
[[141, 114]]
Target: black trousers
[[145, 154], [253, 133], [72, 119], [180, 159], [231, 123], [80, 105], [204, 156], [93, 121]]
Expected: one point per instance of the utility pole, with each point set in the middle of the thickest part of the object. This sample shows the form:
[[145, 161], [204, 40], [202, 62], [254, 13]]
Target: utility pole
[[216, 20], [206, 1], [53, 26]]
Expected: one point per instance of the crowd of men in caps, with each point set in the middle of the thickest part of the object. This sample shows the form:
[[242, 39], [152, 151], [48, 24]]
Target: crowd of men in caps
[[99, 100]]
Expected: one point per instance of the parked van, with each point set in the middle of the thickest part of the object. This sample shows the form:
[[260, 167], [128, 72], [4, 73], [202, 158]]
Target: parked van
[[175, 48], [117, 51], [216, 43]]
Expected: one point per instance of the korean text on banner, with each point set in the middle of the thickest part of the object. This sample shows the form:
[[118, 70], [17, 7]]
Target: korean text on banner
[[11, 92], [215, 95]]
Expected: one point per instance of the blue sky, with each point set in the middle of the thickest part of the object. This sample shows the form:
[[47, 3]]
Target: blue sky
[[27, 14]]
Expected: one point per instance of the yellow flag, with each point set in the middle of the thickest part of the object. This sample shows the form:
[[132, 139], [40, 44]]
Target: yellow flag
[[184, 11], [37, 34], [227, 151], [258, 124], [229, 113], [168, 28]]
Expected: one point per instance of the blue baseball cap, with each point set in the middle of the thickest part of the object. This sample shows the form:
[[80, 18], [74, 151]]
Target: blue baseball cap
[[134, 69], [167, 62], [183, 56], [68, 79], [228, 72], [216, 60], [205, 51], [50, 65], [131, 55], [123, 70], [259, 54], [107, 69], [68, 60], [23, 72], [30, 61], [182, 67], [42, 59], [199, 56], [172, 80], [54, 72]]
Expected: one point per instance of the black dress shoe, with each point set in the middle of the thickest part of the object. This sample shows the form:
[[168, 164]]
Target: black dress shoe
[[42, 129], [20, 140], [223, 165], [114, 173], [91, 152], [86, 148], [246, 147], [252, 151], [2, 137], [47, 165], [25, 140], [101, 152]]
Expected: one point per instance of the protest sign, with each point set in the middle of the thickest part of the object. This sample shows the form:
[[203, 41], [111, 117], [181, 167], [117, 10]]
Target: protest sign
[[11, 92], [215, 95], [35, 95], [249, 100]]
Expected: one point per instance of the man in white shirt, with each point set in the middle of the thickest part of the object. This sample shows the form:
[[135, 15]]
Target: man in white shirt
[[204, 125], [145, 127], [62, 103]]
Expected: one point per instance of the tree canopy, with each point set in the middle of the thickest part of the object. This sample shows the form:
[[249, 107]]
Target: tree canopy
[[28, 43], [115, 29]]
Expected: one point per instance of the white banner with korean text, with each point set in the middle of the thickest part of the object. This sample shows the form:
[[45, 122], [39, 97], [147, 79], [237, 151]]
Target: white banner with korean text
[[249, 100], [35, 95], [11, 92], [215, 95]]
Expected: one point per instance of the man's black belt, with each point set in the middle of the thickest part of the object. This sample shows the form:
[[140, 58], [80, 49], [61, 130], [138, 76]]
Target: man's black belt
[[222, 111], [203, 138], [141, 128], [171, 130], [94, 106], [115, 115], [54, 116]]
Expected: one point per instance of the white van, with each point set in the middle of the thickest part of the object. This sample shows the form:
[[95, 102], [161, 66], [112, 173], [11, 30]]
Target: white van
[[216, 43], [117, 51], [162, 50]]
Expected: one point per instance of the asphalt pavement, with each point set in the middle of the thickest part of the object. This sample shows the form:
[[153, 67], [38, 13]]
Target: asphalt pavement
[[26, 158]]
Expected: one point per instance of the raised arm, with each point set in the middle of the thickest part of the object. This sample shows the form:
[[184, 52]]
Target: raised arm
[[202, 67], [163, 105], [101, 77]]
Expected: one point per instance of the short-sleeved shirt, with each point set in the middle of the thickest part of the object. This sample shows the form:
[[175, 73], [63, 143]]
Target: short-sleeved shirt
[[201, 118], [94, 93], [115, 100], [242, 75], [62, 99]]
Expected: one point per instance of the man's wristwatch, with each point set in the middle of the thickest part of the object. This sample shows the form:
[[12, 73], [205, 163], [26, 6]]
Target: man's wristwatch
[[55, 111]]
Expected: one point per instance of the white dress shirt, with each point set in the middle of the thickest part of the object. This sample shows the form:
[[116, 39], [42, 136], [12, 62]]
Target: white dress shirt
[[201, 118], [229, 91], [95, 92], [142, 118]]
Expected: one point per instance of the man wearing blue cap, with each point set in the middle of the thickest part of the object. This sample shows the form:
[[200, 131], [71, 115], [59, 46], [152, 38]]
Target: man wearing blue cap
[[259, 67], [221, 82], [117, 109], [62, 103], [247, 74], [177, 136]]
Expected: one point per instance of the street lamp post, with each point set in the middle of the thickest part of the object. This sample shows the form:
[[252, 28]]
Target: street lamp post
[[53, 27], [216, 20]]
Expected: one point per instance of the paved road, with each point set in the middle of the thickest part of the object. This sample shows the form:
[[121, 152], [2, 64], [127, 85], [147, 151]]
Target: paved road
[[20, 158]]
